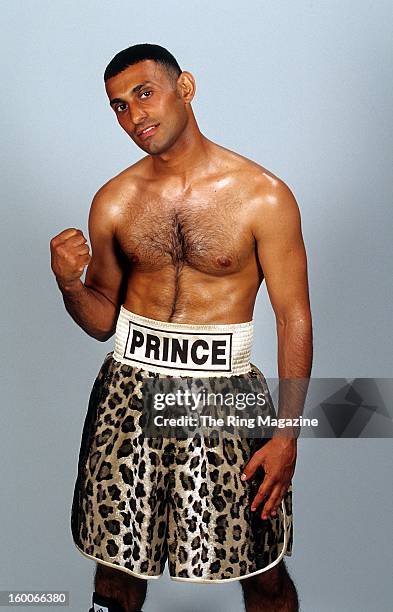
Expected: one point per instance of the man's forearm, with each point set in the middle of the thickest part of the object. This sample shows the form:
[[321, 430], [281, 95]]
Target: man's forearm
[[91, 310], [295, 352]]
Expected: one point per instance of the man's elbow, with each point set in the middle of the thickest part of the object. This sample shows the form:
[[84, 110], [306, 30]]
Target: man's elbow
[[298, 318], [103, 336]]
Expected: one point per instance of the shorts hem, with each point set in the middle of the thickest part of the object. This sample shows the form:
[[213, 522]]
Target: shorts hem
[[116, 566], [259, 571]]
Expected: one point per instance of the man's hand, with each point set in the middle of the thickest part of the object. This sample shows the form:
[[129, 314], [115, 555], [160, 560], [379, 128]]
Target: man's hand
[[278, 459], [69, 256]]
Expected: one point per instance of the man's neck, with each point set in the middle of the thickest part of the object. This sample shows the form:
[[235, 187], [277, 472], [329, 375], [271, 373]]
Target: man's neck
[[185, 160]]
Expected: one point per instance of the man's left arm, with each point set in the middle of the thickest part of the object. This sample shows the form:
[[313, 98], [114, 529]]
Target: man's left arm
[[282, 256]]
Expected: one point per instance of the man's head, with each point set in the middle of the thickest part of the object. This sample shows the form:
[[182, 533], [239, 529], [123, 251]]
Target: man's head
[[146, 87], [138, 53]]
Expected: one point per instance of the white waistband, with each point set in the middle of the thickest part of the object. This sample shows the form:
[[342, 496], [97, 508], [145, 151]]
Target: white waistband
[[182, 349]]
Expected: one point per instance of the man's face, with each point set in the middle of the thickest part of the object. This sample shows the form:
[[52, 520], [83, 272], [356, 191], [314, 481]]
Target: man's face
[[143, 95]]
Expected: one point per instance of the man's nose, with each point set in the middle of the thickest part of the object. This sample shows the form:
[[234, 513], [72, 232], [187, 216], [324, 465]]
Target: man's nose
[[137, 114]]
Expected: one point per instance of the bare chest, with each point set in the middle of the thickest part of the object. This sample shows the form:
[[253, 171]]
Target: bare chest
[[213, 237]]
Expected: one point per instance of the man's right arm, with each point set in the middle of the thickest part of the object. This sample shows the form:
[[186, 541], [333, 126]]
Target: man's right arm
[[94, 305]]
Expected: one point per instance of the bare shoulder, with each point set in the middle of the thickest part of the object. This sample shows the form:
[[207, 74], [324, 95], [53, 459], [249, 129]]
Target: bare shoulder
[[268, 193], [268, 200], [260, 185], [273, 209], [109, 201]]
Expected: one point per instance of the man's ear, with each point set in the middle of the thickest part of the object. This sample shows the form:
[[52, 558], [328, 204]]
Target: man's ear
[[185, 86]]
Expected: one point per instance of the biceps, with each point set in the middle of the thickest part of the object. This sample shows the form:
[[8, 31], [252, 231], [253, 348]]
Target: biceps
[[284, 264]]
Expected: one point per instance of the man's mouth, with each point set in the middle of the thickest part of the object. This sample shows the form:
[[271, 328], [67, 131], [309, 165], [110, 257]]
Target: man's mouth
[[148, 131]]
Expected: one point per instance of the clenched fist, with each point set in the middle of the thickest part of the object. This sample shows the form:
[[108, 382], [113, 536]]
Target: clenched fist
[[69, 256]]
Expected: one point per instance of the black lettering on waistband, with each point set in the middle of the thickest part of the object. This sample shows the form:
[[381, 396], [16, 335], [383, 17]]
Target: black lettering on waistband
[[165, 348], [137, 340], [184, 346], [218, 348], [178, 350], [194, 356], [152, 345]]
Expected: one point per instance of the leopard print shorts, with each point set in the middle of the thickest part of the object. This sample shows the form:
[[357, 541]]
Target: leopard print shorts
[[140, 501]]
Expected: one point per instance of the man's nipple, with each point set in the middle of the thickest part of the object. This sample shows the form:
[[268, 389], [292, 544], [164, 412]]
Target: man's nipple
[[224, 261]]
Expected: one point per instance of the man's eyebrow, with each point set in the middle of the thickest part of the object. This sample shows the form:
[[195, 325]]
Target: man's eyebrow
[[134, 90]]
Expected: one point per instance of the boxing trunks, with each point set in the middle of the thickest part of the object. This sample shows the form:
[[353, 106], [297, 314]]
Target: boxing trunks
[[142, 500]]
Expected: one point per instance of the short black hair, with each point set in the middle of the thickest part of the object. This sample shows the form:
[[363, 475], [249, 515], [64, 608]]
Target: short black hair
[[138, 53]]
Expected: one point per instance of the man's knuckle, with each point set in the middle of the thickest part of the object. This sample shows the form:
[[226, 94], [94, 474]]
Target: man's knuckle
[[69, 258]]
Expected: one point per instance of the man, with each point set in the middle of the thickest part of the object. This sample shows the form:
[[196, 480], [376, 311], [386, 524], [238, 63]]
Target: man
[[181, 242]]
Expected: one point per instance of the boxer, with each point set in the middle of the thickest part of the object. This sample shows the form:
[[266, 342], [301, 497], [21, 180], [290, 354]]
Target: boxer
[[181, 242]]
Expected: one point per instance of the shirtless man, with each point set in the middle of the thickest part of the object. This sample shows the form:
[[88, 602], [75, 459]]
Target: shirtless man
[[180, 239]]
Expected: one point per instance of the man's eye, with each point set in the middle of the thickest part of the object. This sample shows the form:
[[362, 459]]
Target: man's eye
[[120, 108], [146, 92]]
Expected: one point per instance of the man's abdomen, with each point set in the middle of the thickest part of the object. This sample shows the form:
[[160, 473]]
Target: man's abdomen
[[191, 296]]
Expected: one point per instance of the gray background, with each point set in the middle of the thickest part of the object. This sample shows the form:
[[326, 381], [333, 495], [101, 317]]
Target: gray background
[[304, 89]]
